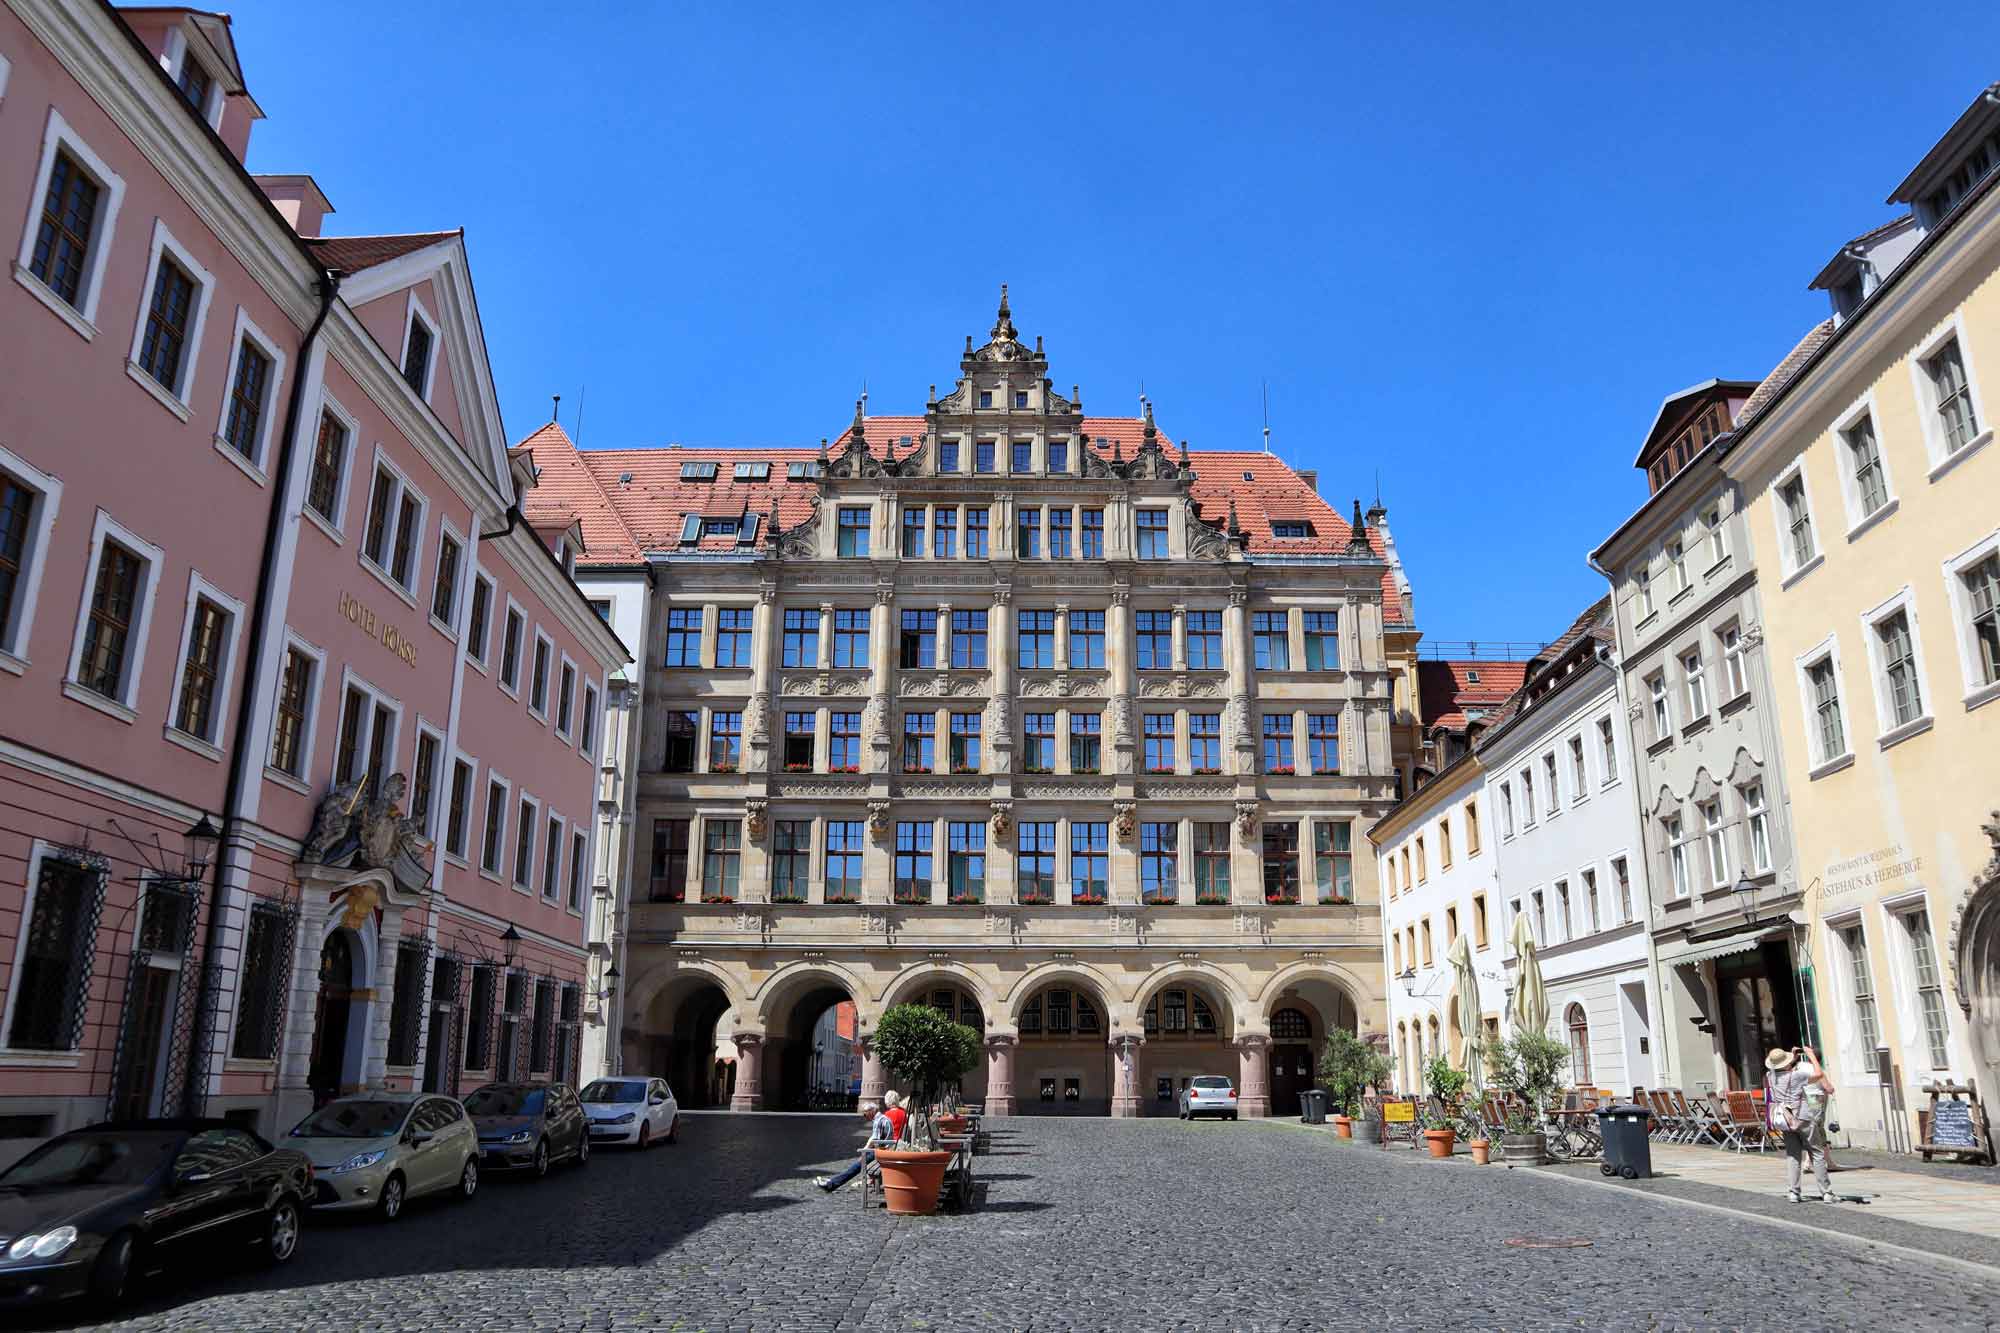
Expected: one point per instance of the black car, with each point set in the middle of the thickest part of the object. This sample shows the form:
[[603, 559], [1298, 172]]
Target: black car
[[528, 1125], [87, 1210]]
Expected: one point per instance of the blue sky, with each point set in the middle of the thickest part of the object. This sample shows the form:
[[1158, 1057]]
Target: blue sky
[[1469, 249]]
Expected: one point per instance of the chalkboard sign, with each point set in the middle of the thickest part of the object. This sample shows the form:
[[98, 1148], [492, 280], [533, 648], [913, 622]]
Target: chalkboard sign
[[1951, 1126]]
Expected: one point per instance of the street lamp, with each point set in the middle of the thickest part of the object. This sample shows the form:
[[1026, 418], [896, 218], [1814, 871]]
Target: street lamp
[[199, 844], [1408, 976], [511, 943]]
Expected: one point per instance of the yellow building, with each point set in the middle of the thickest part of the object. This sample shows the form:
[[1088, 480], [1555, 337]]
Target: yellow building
[[1872, 489]]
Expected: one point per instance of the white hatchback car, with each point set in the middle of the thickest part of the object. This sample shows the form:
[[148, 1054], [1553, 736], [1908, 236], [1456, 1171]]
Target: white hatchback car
[[632, 1110], [1209, 1094]]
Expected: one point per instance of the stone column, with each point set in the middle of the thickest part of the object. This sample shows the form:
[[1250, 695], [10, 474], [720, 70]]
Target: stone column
[[1062, 636], [1236, 656], [1000, 641], [1253, 1084], [1180, 637], [1118, 640], [749, 1094], [1000, 1074], [826, 610], [881, 640], [766, 638], [1125, 1075], [872, 1077], [944, 636]]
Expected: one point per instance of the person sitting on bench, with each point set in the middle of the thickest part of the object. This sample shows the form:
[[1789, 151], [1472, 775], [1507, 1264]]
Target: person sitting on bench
[[884, 1127]]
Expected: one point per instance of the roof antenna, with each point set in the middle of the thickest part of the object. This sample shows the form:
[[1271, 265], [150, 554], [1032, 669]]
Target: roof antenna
[[555, 411], [581, 395], [1267, 416], [1378, 488]]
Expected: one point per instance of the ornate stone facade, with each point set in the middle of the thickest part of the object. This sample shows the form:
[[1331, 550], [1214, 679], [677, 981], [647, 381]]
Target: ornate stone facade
[[1065, 727]]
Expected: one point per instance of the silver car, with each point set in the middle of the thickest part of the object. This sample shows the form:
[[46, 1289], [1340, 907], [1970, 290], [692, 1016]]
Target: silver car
[[1208, 1094], [381, 1149]]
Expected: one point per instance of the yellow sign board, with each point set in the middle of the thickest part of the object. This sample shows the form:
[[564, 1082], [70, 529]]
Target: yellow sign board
[[1399, 1113]]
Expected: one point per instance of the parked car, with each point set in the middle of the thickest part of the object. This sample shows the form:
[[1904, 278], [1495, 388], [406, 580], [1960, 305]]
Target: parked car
[[528, 1125], [382, 1149], [1208, 1094], [88, 1210], [634, 1111]]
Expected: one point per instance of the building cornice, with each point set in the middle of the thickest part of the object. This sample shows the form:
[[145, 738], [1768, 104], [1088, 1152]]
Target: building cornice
[[536, 567]]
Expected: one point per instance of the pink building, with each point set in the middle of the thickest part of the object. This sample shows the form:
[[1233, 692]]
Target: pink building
[[262, 553]]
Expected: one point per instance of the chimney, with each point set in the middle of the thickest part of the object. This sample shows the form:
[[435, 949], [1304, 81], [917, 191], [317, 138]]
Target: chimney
[[298, 199], [1310, 476]]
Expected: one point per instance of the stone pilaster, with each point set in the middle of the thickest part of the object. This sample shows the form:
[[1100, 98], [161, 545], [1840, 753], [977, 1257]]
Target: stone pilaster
[[749, 1094], [1253, 1083], [999, 1074]]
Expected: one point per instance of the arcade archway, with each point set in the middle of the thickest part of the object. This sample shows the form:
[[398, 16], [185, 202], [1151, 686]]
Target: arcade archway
[[1189, 1027], [677, 1040], [1064, 1064]]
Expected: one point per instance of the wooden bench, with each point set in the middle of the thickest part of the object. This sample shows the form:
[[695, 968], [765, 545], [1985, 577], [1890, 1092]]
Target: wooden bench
[[959, 1181]]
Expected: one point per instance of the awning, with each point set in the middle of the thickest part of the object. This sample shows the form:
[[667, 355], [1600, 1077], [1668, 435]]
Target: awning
[[1700, 951]]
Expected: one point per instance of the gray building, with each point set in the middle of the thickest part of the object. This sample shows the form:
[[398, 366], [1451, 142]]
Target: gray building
[[1722, 878]]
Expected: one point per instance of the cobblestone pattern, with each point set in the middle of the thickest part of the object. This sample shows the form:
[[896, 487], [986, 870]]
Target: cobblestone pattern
[[1087, 1224]]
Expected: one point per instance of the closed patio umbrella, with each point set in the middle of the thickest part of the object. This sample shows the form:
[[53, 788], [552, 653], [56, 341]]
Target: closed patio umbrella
[[1531, 997], [1472, 1045]]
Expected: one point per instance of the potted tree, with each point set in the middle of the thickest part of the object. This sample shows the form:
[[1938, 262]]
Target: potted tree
[[1528, 1067], [1350, 1068], [1445, 1085], [927, 1053]]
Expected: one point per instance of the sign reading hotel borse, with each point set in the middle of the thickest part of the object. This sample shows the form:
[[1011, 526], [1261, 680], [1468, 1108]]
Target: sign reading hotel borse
[[377, 628]]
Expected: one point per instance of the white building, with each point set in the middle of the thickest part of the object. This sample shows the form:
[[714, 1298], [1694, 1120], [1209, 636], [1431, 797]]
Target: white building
[[1558, 772]]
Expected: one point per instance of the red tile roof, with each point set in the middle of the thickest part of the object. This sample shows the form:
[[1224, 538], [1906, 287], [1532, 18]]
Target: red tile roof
[[1782, 373], [566, 491], [1448, 697], [647, 491], [351, 254]]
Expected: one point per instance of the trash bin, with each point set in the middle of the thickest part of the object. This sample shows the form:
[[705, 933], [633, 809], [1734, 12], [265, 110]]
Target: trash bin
[[1312, 1106], [1628, 1147]]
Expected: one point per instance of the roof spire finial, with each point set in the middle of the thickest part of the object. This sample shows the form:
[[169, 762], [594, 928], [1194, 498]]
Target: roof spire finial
[[1003, 323], [1357, 533], [857, 434], [771, 524], [1234, 526], [1152, 432]]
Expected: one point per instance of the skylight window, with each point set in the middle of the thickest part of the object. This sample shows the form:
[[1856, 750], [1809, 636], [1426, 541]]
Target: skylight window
[[1293, 529], [1472, 677], [753, 471], [805, 471], [697, 472]]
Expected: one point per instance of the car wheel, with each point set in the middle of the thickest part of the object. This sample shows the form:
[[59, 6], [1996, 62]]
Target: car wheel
[[541, 1159], [390, 1203], [1232, 1117], [583, 1148], [674, 1128], [468, 1178], [645, 1137], [281, 1232], [112, 1272]]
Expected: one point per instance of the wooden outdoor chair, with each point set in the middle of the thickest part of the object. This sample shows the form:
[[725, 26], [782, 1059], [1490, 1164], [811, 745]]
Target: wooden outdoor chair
[[1656, 1101], [1695, 1114], [1746, 1119]]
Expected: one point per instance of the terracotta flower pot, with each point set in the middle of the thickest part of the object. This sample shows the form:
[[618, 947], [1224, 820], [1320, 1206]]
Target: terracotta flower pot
[[1343, 1125], [1438, 1141], [911, 1180], [953, 1125], [1482, 1149]]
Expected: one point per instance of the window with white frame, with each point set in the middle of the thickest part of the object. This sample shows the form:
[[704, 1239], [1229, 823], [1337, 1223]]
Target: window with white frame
[[173, 307], [586, 740], [1825, 722], [426, 772], [493, 835], [1715, 834], [527, 817], [1861, 991], [1735, 672], [207, 656], [1579, 769], [1695, 677], [366, 749], [326, 486], [297, 706], [565, 698], [444, 584], [1929, 985], [478, 617], [1757, 827], [1955, 414], [71, 222], [249, 394], [579, 855], [419, 348], [1527, 778], [539, 675], [1677, 855], [1563, 924], [56, 951], [1663, 718], [512, 630], [552, 841], [1795, 525], [1972, 582], [395, 529], [1899, 690], [1718, 540], [1593, 910], [1552, 795], [1677, 563], [1621, 883], [1868, 479], [1506, 810], [1642, 592], [29, 499], [458, 808], [1607, 748], [109, 650]]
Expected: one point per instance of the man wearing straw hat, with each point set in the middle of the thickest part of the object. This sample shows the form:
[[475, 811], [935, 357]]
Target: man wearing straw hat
[[1790, 1077]]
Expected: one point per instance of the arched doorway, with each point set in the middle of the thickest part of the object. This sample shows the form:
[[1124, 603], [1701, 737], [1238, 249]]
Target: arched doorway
[[1304, 1009], [337, 1036], [789, 1055], [676, 1040], [1292, 1063], [1188, 1029], [1064, 1066]]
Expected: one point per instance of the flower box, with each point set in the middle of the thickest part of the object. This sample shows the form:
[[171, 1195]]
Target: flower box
[[1088, 899], [1279, 771], [717, 898], [844, 768], [967, 899], [798, 768]]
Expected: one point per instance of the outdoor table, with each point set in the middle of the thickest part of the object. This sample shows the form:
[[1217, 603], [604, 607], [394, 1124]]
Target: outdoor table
[[1573, 1133]]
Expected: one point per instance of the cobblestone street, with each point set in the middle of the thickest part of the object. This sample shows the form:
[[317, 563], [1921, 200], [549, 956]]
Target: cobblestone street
[[1086, 1224]]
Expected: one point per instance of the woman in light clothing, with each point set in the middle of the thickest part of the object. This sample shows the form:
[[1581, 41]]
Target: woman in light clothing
[[1795, 1092]]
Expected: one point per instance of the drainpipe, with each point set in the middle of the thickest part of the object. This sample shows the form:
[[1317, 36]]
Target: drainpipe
[[513, 521], [208, 998]]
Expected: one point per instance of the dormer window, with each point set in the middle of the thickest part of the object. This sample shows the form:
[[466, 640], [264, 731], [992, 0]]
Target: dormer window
[[417, 345], [805, 471], [1292, 530], [719, 527], [1969, 173], [194, 84], [1471, 678], [753, 472], [697, 472]]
